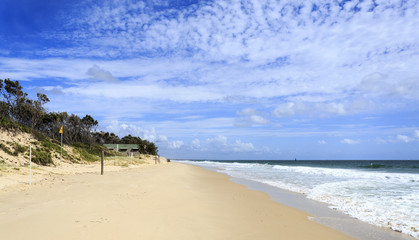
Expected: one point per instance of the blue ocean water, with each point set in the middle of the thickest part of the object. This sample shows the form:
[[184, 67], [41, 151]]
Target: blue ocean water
[[383, 193]]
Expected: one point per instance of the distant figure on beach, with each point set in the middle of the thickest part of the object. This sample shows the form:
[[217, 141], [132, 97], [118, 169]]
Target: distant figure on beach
[[295, 159]]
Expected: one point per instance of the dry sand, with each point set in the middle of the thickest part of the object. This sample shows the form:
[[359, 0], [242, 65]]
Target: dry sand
[[16, 177], [8, 139], [166, 201]]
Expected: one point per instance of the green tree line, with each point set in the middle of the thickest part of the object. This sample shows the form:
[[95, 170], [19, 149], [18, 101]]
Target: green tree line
[[15, 105]]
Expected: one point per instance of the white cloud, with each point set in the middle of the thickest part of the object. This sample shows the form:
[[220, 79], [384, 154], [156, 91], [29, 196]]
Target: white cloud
[[391, 86], [248, 111], [404, 138], [373, 82], [381, 141], [97, 73], [350, 141], [283, 50], [400, 138], [276, 58], [221, 144], [123, 129], [258, 119], [289, 48], [162, 141], [239, 146], [250, 117], [289, 109], [196, 144], [175, 144], [156, 92], [322, 142], [322, 108]]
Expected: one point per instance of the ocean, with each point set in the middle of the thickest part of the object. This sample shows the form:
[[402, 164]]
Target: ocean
[[382, 193]]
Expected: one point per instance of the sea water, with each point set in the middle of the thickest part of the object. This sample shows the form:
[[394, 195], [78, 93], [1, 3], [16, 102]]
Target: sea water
[[383, 193]]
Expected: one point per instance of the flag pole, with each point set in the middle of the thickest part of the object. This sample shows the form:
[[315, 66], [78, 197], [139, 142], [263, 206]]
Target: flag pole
[[61, 156]]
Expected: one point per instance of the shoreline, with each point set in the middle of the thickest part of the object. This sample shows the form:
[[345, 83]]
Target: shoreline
[[168, 201], [320, 212]]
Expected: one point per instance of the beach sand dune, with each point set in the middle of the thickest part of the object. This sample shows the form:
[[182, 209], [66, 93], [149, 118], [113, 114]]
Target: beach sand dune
[[170, 201]]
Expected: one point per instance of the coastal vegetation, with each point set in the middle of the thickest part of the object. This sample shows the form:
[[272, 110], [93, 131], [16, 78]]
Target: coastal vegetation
[[20, 113]]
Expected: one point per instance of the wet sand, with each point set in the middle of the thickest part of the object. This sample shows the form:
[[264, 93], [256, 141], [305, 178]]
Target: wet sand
[[321, 213]]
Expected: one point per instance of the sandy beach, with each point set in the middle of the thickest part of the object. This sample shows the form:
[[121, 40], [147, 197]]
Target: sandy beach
[[167, 201]]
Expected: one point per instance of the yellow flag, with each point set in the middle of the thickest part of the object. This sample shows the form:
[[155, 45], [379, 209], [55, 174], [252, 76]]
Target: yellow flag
[[61, 129]]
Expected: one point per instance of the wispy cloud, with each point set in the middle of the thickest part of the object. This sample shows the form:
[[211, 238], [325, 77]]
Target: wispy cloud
[[403, 138], [249, 117], [350, 141], [221, 143], [290, 50], [239, 65]]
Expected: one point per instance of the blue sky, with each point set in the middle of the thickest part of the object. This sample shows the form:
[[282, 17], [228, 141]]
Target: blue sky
[[227, 79]]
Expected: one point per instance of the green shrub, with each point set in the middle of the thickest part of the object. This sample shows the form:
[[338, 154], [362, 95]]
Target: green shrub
[[86, 155], [97, 149], [41, 157], [80, 145], [6, 149], [10, 124], [20, 149], [49, 145], [92, 153]]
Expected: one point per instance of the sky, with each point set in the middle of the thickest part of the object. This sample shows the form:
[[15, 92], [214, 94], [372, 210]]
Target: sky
[[312, 79]]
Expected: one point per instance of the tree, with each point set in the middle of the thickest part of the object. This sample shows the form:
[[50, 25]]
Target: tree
[[15, 105], [30, 112], [14, 96], [50, 124], [39, 109], [73, 128], [88, 123], [4, 107], [145, 146], [102, 137]]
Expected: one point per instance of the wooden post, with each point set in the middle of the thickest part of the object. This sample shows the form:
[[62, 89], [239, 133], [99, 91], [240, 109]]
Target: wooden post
[[101, 163]]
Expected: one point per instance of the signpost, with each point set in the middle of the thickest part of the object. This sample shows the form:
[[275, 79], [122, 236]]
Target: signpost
[[101, 163]]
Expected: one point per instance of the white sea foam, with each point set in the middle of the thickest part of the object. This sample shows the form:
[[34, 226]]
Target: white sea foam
[[381, 198]]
